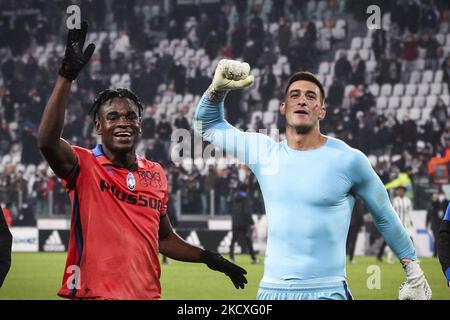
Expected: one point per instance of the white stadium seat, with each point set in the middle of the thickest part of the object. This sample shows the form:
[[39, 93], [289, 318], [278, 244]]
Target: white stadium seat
[[399, 88], [411, 89], [371, 65], [426, 112], [386, 90], [436, 88], [324, 68], [394, 103], [446, 99], [431, 101], [356, 43], [438, 76], [374, 89], [423, 89], [419, 102], [427, 76], [367, 43], [382, 103], [401, 113], [406, 102], [414, 77], [415, 114]]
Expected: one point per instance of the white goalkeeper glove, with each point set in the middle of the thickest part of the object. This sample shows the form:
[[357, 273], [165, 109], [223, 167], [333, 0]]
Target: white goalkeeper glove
[[416, 286], [231, 74]]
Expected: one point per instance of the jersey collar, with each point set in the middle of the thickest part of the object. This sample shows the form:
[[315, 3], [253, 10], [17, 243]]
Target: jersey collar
[[104, 161]]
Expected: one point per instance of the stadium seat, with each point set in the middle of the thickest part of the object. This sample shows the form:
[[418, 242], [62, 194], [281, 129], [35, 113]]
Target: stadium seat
[[273, 28], [347, 89], [427, 76], [356, 43], [177, 99], [274, 105], [382, 103], [420, 64], [328, 81], [414, 77], [446, 99], [441, 39], [415, 114], [365, 54], [399, 89], [438, 76], [419, 102], [256, 114], [394, 103], [406, 102], [338, 33], [371, 65], [374, 88], [431, 101], [367, 43], [423, 89], [324, 68], [426, 112], [411, 89], [125, 81], [188, 98], [386, 90], [386, 21], [268, 117], [447, 40], [401, 113], [295, 26], [436, 88]]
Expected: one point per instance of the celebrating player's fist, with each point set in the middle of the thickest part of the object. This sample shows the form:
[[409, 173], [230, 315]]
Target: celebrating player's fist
[[416, 286], [231, 74]]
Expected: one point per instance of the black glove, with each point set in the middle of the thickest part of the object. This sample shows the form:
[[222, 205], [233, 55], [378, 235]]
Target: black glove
[[74, 59], [216, 262]]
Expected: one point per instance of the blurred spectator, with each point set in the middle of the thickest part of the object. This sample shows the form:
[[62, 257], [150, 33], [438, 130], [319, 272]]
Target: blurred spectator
[[164, 131], [432, 50], [343, 68], [181, 122], [148, 123], [267, 85], [435, 213], [358, 71], [379, 43], [335, 94], [440, 113]]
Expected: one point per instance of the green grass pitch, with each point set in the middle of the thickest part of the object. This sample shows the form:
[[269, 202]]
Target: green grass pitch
[[38, 276]]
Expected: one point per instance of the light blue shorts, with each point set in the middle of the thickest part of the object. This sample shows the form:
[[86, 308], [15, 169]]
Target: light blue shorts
[[325, 291]]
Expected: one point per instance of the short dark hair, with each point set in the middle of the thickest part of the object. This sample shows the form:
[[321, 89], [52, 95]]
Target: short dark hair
[[306, 76], [109, 94]]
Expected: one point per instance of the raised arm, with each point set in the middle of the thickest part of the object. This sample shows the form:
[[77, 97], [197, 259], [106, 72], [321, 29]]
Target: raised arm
[[209, 120], [57, 151], [369, 187]]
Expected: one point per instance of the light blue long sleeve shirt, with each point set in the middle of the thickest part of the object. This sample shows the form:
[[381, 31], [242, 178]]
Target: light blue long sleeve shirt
[[308, 196]]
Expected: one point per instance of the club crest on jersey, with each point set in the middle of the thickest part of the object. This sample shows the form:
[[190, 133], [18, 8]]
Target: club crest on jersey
[[131, 182]]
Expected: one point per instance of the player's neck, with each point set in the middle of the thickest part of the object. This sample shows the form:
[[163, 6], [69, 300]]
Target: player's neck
[[122, 160], [307, 141]]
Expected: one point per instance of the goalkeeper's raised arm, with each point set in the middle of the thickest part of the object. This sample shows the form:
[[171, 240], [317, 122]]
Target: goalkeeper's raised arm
[[209, 121]]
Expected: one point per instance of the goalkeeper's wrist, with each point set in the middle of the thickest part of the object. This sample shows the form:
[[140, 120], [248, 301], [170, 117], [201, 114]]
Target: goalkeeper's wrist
[[214, 95]]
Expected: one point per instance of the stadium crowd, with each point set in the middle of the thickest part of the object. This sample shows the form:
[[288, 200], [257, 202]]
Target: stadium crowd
[[165, 56]]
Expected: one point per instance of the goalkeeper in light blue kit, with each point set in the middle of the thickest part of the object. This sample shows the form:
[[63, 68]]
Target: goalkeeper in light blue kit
[[309, 183]]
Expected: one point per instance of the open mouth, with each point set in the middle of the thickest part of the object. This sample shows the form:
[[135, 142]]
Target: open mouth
[[123, 136], [303, 112]]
